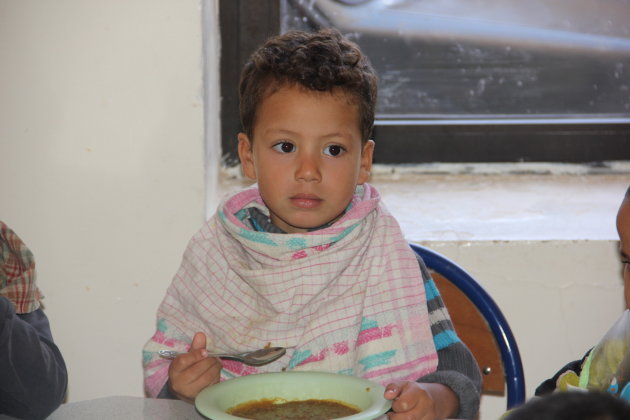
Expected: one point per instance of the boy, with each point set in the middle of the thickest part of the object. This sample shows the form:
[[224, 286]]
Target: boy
[[623, 229], [309, 259]]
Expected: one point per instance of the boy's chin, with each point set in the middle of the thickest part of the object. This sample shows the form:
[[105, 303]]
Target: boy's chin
[[296, 229], [300, 228]]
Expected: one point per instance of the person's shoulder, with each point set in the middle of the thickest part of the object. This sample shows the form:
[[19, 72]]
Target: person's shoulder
[[6, 307]]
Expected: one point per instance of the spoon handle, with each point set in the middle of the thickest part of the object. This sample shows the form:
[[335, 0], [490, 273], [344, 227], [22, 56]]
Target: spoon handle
[[171, 354]]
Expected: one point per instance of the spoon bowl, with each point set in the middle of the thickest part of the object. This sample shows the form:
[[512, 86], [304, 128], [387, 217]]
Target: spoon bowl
[[254, 358]]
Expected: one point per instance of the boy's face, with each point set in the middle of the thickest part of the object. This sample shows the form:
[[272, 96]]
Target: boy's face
[[306, 156], [623, 227]]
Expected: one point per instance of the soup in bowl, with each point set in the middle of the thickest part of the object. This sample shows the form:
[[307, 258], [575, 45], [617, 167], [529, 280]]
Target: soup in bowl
[[299, 392]]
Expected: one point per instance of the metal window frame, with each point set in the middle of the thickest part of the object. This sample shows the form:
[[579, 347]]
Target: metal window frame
[[245, 24]]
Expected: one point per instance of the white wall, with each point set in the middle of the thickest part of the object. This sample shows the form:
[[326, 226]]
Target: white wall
[[559, 297], [544, 246], [102, 167], [102, 174]]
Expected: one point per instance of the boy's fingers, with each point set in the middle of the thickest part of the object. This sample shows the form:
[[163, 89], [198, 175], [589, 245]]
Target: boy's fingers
[[208, 376], [187, 383], [186, 360], [404, 400], [392, 390], [198, 342], [196, 354]]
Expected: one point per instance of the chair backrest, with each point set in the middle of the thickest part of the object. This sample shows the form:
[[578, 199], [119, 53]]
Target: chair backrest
[[480, 324]]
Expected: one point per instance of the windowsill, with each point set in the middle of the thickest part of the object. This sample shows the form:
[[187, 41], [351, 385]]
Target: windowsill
[[453, 203]]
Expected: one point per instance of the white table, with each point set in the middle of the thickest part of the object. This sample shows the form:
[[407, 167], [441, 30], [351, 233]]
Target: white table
[[127, 408]]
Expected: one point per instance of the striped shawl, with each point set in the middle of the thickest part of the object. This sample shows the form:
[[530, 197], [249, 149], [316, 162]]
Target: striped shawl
[[348, 298]]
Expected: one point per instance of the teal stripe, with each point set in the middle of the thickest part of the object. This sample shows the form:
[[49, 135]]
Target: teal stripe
[[366, 324], [162, 326], [431, 290], [260, 237], [251, 235], [445, 339], [240, 215], [344, 233], [296, 243], [298, 357], [378, 359], [348, 372]]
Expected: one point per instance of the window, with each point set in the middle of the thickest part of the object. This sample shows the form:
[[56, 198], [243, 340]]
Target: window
[[467, 80]]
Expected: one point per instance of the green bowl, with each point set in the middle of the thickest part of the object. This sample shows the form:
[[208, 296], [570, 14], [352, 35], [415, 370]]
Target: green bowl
[[214, 400]]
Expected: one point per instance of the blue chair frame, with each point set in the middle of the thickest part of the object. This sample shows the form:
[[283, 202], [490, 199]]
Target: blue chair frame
[[512, 365]]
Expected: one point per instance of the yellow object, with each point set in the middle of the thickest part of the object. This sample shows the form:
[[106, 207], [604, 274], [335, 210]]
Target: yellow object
[[605, 363], [567, 378]]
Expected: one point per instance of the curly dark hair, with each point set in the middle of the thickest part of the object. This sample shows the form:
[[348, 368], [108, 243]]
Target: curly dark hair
[[319, 61], [573, 405]]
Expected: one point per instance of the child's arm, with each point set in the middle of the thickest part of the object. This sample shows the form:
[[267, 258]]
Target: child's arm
[[426, 401], [191, 372], [159, 373], [33, 376], [457, 368]]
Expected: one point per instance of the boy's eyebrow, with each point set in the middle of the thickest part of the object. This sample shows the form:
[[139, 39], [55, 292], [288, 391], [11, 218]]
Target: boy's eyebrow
[[283, 131]]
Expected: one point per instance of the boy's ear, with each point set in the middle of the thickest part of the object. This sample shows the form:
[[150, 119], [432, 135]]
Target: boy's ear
[[246, 156], [366, 161]]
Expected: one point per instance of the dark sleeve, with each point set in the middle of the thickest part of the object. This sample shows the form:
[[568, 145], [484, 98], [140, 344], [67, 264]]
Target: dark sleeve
[[165, 392], [549, 386], [33, 376], [457, 367]]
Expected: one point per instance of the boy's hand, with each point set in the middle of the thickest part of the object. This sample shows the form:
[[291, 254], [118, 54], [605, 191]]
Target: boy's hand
[[420, 401], [191, 372]]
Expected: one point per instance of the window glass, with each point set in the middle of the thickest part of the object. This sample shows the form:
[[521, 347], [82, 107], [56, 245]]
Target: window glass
[[481, 59]]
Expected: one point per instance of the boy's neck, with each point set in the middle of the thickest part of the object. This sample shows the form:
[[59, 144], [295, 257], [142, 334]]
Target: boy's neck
[[260, 222]]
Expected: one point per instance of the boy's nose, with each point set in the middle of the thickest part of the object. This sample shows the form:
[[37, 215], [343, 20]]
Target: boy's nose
[[308, 169]]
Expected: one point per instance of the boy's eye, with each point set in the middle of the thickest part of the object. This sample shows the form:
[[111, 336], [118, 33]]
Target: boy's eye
[[334, 150], [284, 147]]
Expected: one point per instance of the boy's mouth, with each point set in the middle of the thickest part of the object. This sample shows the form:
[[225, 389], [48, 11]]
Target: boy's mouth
[[305, 201]]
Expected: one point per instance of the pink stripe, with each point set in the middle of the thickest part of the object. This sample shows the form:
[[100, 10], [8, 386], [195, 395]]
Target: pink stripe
[[157, 363], [341, 348], [160, 338], [409, 365], [238, 368], [338, 348], [317, 326], [315, 358], [375, 333]]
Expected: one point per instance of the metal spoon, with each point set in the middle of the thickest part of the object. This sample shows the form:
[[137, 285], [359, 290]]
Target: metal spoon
[[254, 358]]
